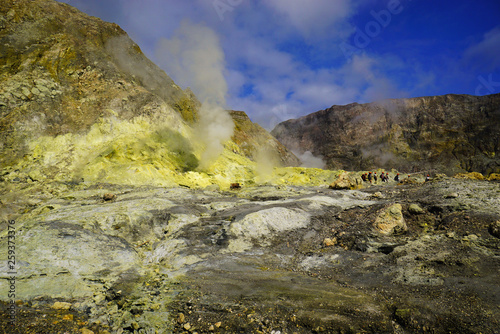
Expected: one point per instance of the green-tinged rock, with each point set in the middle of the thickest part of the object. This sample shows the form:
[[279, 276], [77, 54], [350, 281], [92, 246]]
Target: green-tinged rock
[[415, 209]]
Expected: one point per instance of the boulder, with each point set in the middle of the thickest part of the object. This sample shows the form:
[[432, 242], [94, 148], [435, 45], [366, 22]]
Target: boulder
[[415, 209], [390, 220], [347, 181], [494, 229]]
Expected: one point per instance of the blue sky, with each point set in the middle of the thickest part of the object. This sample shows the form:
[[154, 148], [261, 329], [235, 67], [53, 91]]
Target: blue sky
[[282, 59]]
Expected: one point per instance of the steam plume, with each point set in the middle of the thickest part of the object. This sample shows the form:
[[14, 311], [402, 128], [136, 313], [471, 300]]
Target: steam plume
[[266, 160], [194, 58], [310, 160]]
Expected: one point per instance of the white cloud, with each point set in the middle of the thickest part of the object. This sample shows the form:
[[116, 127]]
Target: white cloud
[[279, 84], [485, 54], [315, 18]]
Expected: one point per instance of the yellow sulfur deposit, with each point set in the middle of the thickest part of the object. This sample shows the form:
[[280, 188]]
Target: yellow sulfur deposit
[[470, 176], [158, 152]]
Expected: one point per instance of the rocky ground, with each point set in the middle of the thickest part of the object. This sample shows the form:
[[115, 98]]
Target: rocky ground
[[408, 258]]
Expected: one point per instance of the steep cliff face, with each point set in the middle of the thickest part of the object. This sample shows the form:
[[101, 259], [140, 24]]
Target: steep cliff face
[[80, 101], [450, 133]]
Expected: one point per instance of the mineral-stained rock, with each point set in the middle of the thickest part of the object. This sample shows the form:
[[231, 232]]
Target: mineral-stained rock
[[347, 180], [61, 306], [470, 176], [253, 139], [68, 258], [86, 331], [494, 177], [108, 196], [330, 242], [390, 220]]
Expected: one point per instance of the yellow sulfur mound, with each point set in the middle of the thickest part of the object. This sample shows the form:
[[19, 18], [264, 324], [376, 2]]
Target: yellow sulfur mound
[[494, 177], [159, 152], [470, 176]]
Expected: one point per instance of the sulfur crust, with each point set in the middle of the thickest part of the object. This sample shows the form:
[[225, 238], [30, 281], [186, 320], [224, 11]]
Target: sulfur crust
[[159, 152]]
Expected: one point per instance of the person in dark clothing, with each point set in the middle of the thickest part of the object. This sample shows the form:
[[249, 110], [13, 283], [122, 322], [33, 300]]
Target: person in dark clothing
[[375, 177], [386, 177], [370, 177], [396, 178], [363, 176], [428, 178], [382, 177]]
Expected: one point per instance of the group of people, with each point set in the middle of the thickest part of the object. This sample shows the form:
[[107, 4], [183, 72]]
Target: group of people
[[369, 177], [384, 177]]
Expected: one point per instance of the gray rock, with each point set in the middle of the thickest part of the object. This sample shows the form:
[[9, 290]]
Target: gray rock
[[66, 259], [257, 227]]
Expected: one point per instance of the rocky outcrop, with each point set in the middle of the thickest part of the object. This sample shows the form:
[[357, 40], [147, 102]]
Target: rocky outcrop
[[449, 134], [347, 180]]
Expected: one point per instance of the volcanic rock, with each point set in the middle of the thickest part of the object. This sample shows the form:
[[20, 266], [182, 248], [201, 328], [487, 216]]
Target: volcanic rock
[[390, 220], [287, 258], [347, 180], [80, 102], [450, 134], [415, 209]]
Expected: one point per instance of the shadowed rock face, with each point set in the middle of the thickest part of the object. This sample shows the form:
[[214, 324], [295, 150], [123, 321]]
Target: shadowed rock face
[[450, 133]]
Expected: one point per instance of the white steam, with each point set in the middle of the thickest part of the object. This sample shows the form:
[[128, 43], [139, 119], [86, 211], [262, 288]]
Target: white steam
[[266, 159], [194, 58], [309, 160]]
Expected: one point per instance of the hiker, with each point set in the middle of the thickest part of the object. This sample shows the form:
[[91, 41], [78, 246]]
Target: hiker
[[428, 178], [370, 177], [396, 178], [386, 177], [363, 176], [382, 177], [375, 177]]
